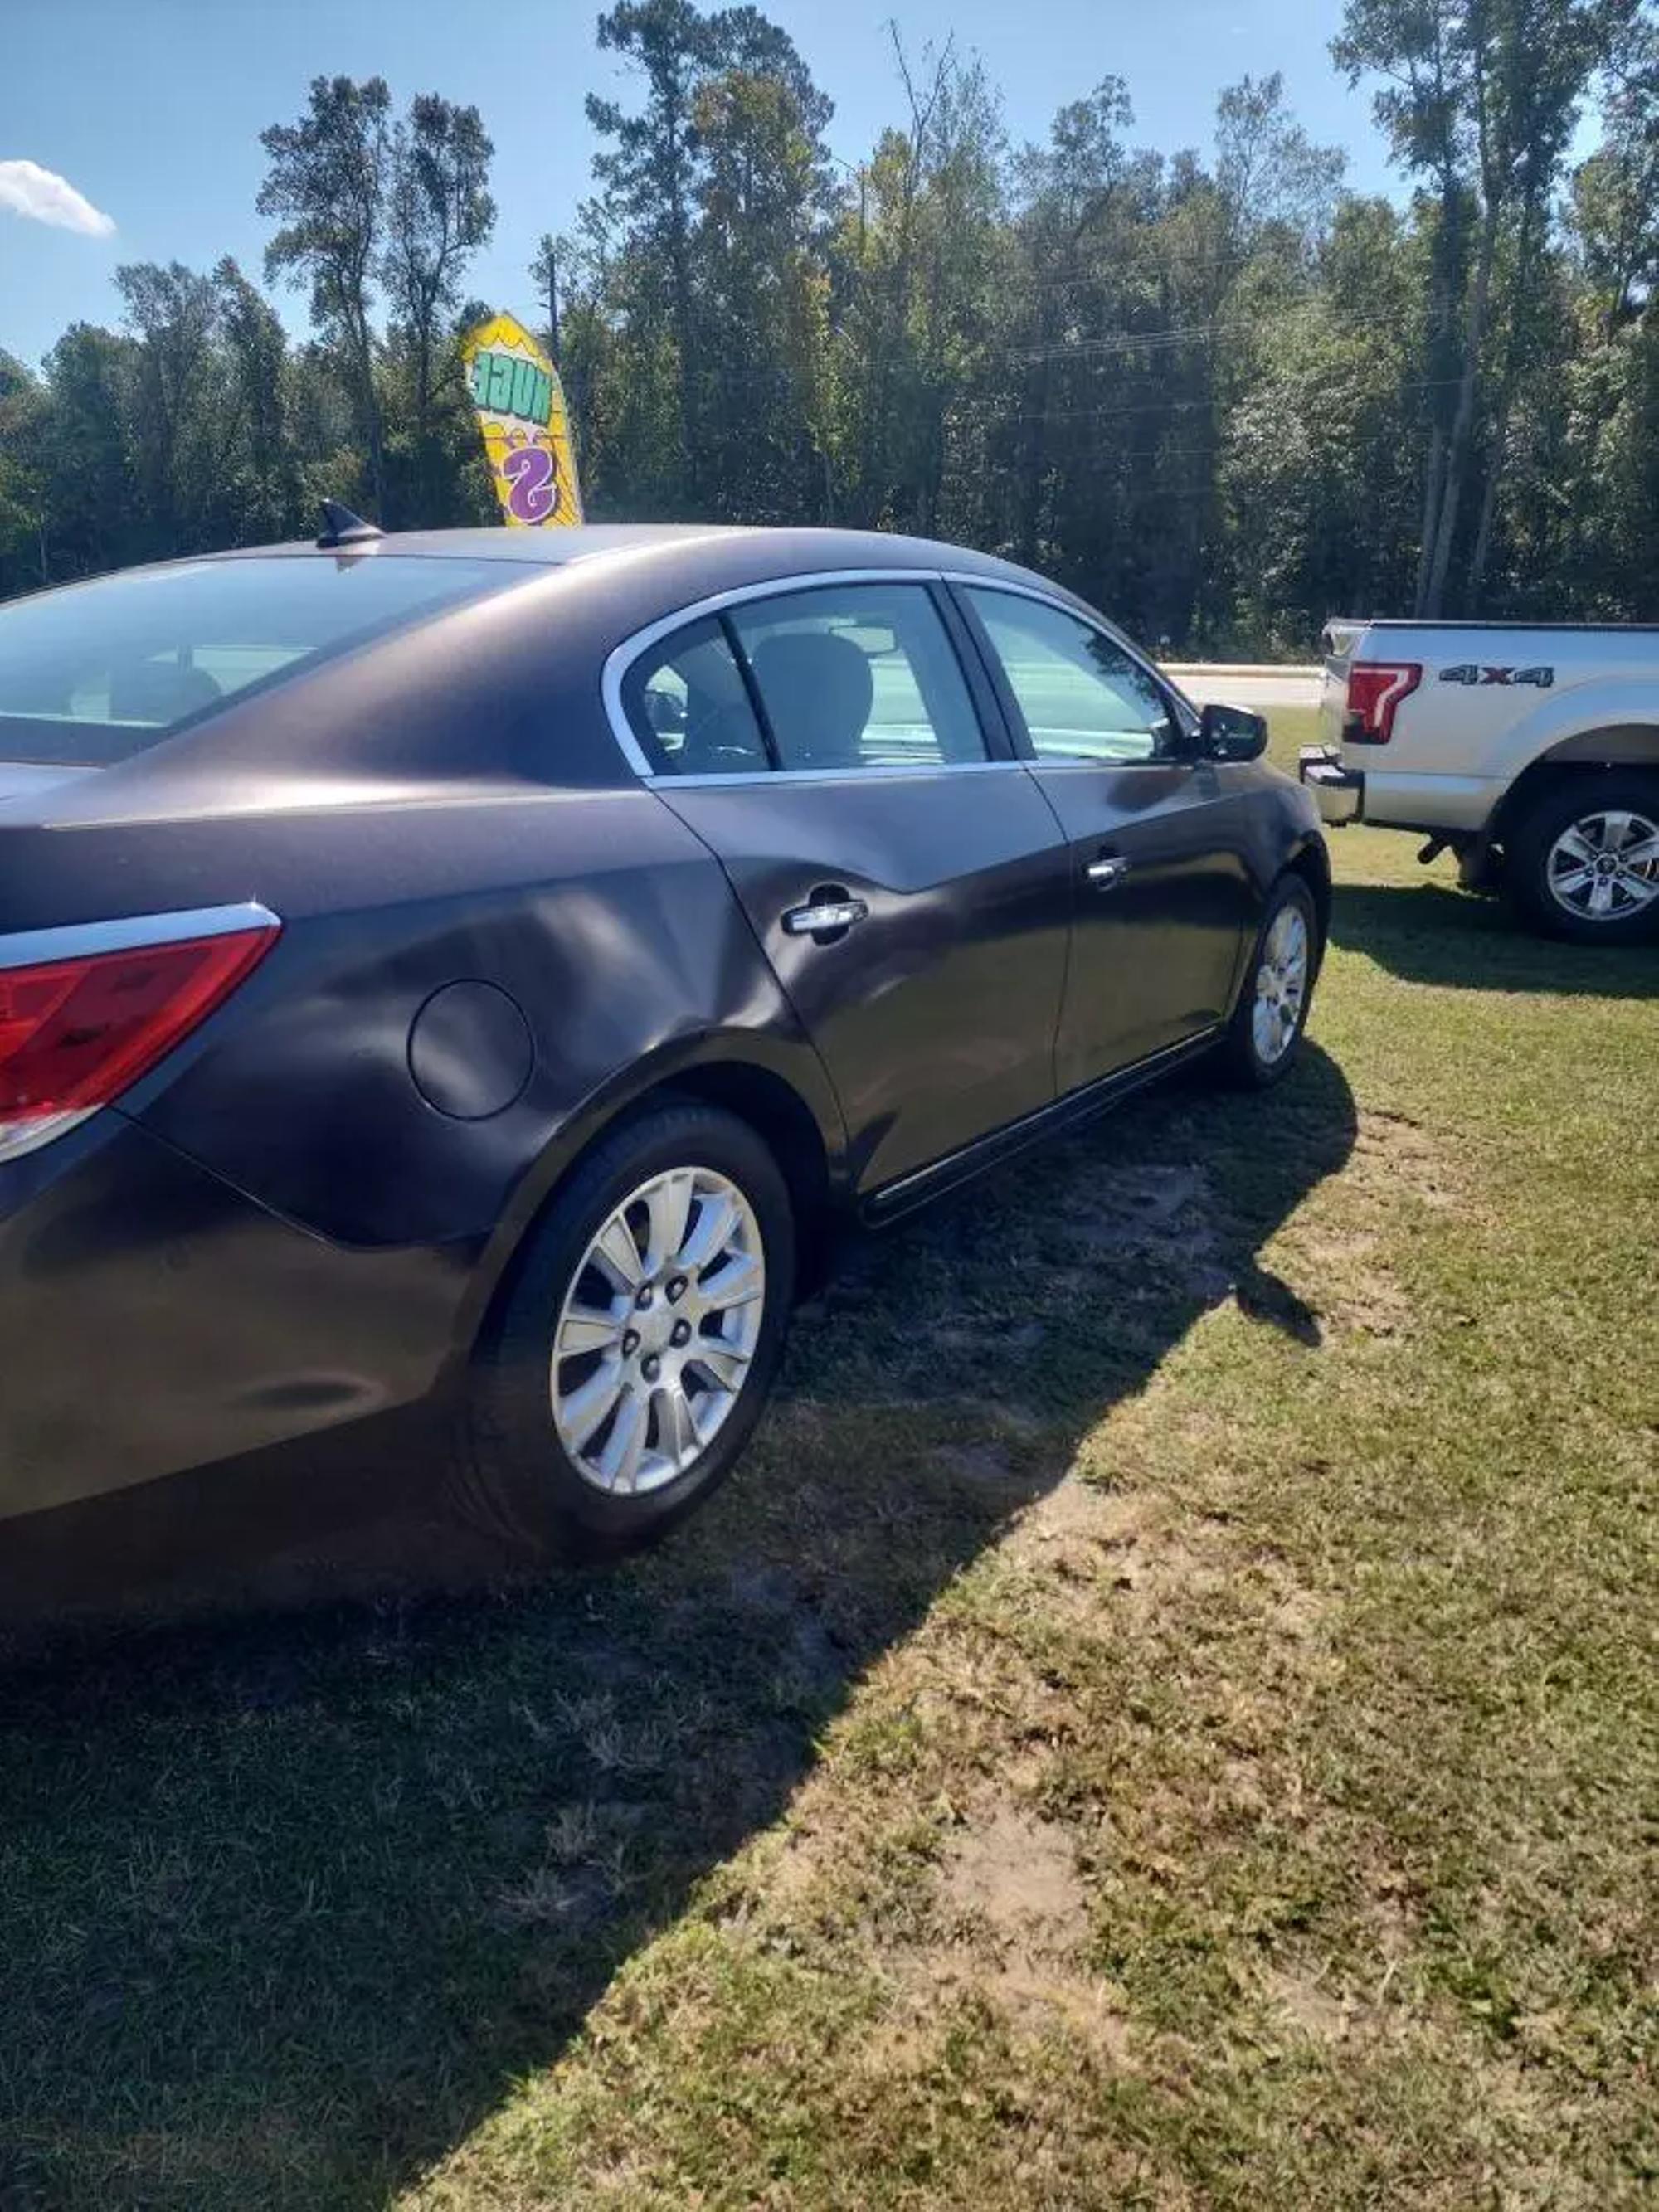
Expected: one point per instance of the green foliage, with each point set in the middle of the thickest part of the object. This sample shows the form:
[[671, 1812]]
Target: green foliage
[[1223, 396]]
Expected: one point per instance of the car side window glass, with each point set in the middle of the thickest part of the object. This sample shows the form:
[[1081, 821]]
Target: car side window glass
[[1081, 696], [859, 676], [689, 708]]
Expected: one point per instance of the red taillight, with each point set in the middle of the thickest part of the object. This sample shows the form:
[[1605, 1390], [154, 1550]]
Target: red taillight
[[75, 1032], [1376, 688]]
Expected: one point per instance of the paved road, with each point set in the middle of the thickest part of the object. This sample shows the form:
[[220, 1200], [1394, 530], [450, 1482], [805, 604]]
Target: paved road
[[1288, 687]]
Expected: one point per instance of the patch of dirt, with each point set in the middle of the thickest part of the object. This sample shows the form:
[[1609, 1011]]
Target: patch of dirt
[[1034, 1999], [1086, 1542], [1019, 1874], [796, 1868], [1393, 1149], [1380, 1308], [1014, 1916], [1083, 1510], [1096, 1549], [1166, 1215], [1359, 1292]]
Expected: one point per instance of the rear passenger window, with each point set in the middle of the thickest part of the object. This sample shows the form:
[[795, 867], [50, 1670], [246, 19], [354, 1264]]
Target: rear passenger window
[[858, 676], [688, 705]]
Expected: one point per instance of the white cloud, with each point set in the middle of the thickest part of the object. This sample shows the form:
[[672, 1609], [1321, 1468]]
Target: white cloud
[[28, 189]]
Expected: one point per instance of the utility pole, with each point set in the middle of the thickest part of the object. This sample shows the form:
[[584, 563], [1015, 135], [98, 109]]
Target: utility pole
[[545, 270]]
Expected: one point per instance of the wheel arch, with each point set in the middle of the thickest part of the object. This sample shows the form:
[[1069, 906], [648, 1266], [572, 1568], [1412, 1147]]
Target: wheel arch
[[804, 1134], [1618, 744], [1312, 861]]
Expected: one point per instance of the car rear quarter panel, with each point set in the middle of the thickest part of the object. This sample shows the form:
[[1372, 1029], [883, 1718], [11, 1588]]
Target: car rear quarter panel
[[597, 911], [608, 924], [277, 1231]]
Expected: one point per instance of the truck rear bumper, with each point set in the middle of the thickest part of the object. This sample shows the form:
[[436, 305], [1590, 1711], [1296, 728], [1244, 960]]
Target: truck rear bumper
[[1393, 798], [1339, 792]]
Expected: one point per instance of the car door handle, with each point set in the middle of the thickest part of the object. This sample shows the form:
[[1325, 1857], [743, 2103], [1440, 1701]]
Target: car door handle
[[823, 915], [1108, 872]]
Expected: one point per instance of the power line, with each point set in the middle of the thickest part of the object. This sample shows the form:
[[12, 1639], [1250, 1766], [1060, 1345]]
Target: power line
[[1210, 404], [1111, 344], [1184, 334]]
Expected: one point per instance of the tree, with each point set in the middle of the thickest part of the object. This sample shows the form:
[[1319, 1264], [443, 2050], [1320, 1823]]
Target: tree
[[910, 299], [93, 515], [176, 426], [763, 197], [647, 178], [1481, 96], [266, 490], [327, 182], [1614, 213], [439, 213], [1210, 388], [24, 418], [1317, 462], [1268, 171]]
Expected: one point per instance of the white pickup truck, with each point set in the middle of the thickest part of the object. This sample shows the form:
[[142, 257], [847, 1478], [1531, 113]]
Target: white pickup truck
[[1531, 751]]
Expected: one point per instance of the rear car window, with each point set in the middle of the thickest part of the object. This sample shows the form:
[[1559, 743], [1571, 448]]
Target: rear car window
[[96, 673], [690, 707], [856, 676], [831, 679]]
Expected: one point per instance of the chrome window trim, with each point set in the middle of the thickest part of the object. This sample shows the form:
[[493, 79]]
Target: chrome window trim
[[81, 940], [1187, 717], [622, 658], [885, 773]]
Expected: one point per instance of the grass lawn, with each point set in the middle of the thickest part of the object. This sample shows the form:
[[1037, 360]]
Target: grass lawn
[[1164, 1718]]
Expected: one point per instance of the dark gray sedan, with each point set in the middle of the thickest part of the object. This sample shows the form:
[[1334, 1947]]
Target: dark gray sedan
[[478, 966]]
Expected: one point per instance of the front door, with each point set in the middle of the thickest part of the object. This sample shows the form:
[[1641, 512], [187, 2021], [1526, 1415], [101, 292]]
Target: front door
[[1161, 892], [910, 889]]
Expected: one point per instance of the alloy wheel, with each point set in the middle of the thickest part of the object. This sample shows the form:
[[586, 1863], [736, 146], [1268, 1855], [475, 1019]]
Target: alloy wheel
[[658, 1329], [1281, 985], [1605, 866]]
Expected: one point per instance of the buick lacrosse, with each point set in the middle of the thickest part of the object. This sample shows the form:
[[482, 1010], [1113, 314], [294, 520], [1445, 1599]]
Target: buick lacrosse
[[482, 965]]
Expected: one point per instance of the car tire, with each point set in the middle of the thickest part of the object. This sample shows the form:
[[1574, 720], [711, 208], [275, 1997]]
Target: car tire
[[1265, 1034], [533, 1453], [1571, 841]]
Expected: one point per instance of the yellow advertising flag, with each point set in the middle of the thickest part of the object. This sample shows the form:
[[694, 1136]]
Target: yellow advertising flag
[[526, 425]]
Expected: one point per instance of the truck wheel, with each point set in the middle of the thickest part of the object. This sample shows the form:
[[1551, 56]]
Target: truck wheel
[[634, 1352], [1584, 860]]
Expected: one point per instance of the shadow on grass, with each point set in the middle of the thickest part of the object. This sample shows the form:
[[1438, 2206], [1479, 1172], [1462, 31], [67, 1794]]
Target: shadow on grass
[[289, 1896], [1429, 933]]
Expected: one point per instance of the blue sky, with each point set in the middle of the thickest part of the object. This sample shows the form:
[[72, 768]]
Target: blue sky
[[151, 109]]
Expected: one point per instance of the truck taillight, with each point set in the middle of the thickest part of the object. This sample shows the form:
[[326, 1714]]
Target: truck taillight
[[77, 1031], [1376, 688]]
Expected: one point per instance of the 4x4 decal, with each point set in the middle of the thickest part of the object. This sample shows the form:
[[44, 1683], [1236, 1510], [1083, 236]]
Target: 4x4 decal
[[1469, 671]]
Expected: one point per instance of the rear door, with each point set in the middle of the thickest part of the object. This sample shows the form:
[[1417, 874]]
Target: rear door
[[829, 743], [1160, 889]]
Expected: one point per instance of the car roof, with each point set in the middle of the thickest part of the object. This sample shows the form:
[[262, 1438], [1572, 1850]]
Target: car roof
[[790, 549], [611, 582], [542, 548]]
